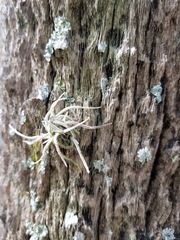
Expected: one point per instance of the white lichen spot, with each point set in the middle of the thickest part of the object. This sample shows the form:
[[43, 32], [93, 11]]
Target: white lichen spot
[[58, 39], [36, 231], [157, 92], [70, 219], [42, 165], [168, 234], [132, 50], [164, 58], [11, 132], [28, 164], [108, 181], [176, 158], [102, 47], [43, 92], [34, 200], [101, 166], [104, 86], [144, 155], [69, 99], [125, 48], [79, 236], [110, 233], [132, 236], [22, 117]]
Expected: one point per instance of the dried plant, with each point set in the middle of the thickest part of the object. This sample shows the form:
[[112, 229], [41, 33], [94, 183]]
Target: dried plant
[[61, 130]]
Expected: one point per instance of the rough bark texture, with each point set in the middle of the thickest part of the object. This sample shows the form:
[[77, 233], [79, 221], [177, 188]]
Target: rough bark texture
[[143, 50]]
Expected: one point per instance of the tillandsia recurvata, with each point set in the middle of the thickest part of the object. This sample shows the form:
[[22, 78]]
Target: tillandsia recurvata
[[60, 130]]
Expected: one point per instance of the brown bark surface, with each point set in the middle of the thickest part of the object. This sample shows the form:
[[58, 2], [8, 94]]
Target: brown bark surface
[[143, 50]]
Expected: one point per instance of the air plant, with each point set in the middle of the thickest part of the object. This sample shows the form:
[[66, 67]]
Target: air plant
[[60, 130]]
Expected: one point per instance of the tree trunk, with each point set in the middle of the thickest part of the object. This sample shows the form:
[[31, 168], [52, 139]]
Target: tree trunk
[[122, 55]]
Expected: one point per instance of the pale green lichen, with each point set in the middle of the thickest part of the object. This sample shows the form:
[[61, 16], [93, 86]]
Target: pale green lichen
[[36, 231], [101, 166], [168, 234], [176, 158], [42, 165], [28, 164], [144, 155], [69, 99], [104, 86], [79, 236], [102, 47], [35, 151], [157, 92], [43, 92], [34, 200], [58, 38], [108, 181]]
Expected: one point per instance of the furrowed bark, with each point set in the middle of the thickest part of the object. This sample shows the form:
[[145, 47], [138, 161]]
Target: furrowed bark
[[121, 198]]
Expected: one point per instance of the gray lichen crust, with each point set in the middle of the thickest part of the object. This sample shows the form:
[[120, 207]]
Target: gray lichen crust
[[144, 155], [168, 234], [58, 39], [157, 92]]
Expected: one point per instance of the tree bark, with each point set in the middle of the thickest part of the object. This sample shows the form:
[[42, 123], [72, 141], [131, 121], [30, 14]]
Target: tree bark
[[121, 197]]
